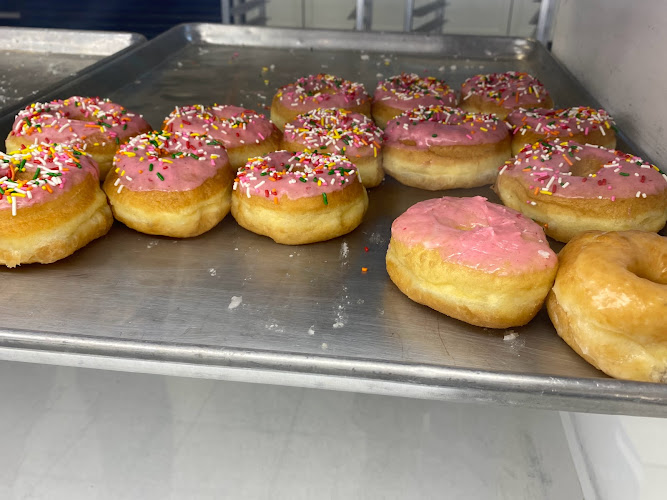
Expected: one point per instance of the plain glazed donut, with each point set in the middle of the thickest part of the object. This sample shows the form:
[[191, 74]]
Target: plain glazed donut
[[609, 302], [244, 132], [406, 91], [176, 185], [581, 124], [297, 198], [318, 91], [341, 132], [500, 93], [476, 261], [98, 126], [445, 148], [569, 188], [51, 204]]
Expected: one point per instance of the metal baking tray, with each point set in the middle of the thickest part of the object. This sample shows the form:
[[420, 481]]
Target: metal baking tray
[[308, 314], [32, 60]]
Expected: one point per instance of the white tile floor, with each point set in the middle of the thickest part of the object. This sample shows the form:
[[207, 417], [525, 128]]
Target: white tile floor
[[71, 433]]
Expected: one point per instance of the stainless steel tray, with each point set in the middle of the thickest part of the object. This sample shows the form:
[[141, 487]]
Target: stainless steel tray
[[34, 59], [308, 316]]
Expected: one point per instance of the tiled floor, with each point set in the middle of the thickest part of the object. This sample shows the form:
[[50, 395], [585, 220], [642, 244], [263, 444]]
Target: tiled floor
[[71, 433]]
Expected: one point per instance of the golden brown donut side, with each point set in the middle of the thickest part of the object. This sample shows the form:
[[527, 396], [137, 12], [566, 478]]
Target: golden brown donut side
[[478, 104], [280, 114], [238, 156]]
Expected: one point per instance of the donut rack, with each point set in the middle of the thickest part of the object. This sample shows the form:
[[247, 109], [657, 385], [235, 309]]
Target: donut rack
[[235, 306]]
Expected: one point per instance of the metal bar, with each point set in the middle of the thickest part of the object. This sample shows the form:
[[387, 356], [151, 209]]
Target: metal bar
[[544, 21], [226, 11], [247, 6], [407, 20], [360, 11]]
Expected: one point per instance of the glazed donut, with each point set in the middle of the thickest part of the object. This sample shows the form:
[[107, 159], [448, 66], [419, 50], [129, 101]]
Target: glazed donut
[[609, 302], [98, 126], [244, 132], [406, 91], [476, 261], [580, 124], [436, 147], [569, 188], [297, 198], [51, 204], [500, 93], [318, 91], [342, 132], [170, 184]]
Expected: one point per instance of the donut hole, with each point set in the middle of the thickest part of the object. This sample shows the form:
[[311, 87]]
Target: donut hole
[[585, 167]]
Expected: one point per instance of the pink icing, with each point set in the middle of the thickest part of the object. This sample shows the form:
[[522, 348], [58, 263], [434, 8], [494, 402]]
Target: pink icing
[[322, 91], [48, 171], [560, 122], [476, 233], [296, 175], [351, 134], [442, 126], [407, 91], [546, 167], [234, 126], [510, 90], [162, 161], [76, 118]]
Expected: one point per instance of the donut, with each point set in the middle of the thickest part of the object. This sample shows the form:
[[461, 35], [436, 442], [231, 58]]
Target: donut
[[436, 147], [406, 91], [170, 184], [475, 261], [580, 124], [318, 91], [298, 198], [609, 302], [569, 188], [500, 93], [51, 204], [342, 132], [244, 132], [98, 126]]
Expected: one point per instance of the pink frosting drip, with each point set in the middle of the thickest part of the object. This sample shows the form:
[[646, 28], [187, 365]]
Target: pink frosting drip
[[322, 91], [560, 122], [408, 91], [510, 90], [442, 126], [233, 125], [296, 175], [476, 233], [161, 161], [548, 167]]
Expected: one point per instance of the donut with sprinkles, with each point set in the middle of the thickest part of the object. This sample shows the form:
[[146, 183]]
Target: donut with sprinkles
[[98, 126], [406, 91], [569, 188], [298, 198], [170, 184], [51, 204], [341, 132]]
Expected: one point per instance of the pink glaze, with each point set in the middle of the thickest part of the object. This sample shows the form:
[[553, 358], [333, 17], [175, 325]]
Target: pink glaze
[[322, 91], [554, 123], [509, 90], [75, 119], [476, 233], [296, 175], [48, 170], [234, 126], [351, 134], [160, 161], [547, 169], [408, 90], [442, 126]]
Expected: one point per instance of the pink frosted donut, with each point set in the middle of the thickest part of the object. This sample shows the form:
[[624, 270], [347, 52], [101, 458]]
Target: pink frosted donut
[[318, 91], [98, 126], [476, 261], [436, 147], [170, 184], [580, 124], [406, 91], [51, 204], [244, 132], [570, 188], [500, 93], [297, 198], [343, 132]]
